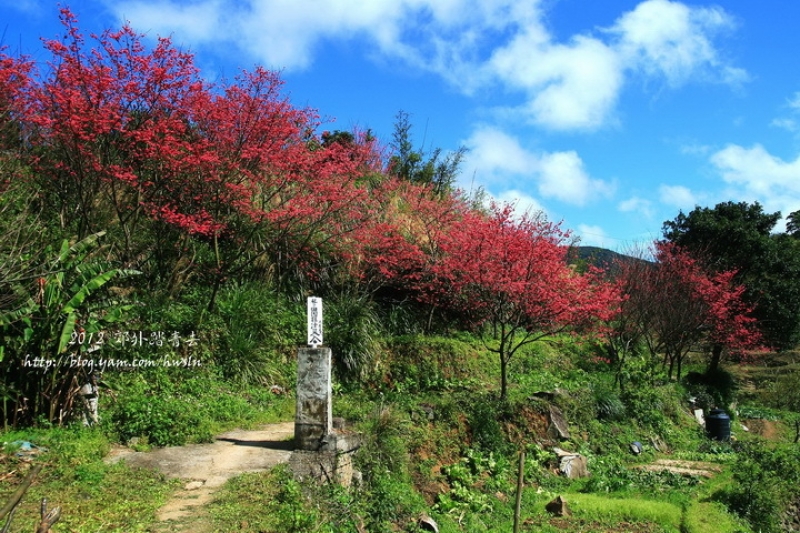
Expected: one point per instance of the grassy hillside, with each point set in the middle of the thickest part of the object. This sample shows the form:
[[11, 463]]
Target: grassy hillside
[[436, 441]]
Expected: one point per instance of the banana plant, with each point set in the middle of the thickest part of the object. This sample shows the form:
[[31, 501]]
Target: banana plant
[[66, 297]]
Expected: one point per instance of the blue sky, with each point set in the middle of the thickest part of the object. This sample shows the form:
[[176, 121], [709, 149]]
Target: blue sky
[[610, 116]]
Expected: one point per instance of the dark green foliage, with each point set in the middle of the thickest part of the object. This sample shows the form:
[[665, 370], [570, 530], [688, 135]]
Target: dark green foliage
[[419, 167], [384, 462], [161, 418], [473, 481], [484, 416], [423, 363], [609, 474], [258, 329], [713, 388], [384, 448], [353, 332], [767, 480], [65, 309], [584, 257], [608, 404], [785, 394], [168, 407], [738, 236]]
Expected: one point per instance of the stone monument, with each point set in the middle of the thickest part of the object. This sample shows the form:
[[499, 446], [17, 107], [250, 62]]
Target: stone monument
[[322, 452], [313, 415]]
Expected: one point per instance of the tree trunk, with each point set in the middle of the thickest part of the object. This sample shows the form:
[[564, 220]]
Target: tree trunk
[[716, 356], [503, 376]]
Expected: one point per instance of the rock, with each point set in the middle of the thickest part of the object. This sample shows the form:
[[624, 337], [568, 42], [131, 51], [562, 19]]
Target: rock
[[636, 448], [572, 465], [194, 485], [558, 507], [698, 415], [658, 444], [558, 424], [426, 523]]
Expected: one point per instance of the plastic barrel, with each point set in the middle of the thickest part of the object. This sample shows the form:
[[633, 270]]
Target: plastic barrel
[[718, 425]]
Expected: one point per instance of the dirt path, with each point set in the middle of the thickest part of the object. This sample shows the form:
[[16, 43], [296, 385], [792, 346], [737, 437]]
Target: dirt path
[[206, 467], [685, 468]]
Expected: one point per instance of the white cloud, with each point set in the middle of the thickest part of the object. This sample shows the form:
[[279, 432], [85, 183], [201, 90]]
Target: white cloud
[[31, 7], [555, 78], [794, 102], [695, 149], [673, 40], [198, 23], [570, 84], [637, 205], [677, 196], [431, 34], [498, 160], [789, 123], [562, 176], [494, 155], [756, 175], [523, 203]]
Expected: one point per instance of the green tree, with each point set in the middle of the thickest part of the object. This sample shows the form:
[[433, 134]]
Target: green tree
[[739, 236], [786, 395], [417, 166], [66, 316]]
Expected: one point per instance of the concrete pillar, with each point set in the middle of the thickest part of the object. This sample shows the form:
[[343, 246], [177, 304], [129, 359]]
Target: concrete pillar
[[313, 417]]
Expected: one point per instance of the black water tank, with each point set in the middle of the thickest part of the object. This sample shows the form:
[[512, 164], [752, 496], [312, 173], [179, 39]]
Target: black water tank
[[718, 425]]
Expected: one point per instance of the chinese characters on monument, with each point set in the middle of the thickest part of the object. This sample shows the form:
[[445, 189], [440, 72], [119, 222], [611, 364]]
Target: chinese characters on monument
[[314, 321]]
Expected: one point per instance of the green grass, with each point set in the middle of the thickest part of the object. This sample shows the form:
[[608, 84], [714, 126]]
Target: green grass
[[711, 517], [597, 507], [93, 496]]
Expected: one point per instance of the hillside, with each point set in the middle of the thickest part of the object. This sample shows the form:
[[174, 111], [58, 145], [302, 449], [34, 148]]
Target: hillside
[[602, 258], [157, 254]]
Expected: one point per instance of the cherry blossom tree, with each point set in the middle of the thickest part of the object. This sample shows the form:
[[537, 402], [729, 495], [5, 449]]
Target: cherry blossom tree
[[675, 305], [132, 140], [510, 276]]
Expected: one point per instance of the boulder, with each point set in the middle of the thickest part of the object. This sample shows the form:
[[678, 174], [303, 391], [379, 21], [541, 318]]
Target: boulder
[[558, 424], [572, 465], [558, 507], [426, 523]]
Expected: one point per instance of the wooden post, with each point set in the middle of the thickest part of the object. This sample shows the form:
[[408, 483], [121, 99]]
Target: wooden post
[[20, 492], [520, 479]]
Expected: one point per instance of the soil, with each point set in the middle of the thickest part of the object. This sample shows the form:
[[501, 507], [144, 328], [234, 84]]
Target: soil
[[764, 428], [206, 467], [684, 468]]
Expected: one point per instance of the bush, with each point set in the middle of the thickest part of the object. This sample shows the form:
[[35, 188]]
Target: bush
[[258, 327], [715, 388], [608, 404], [767, 480], [164, 420], [484, 416], [353, 332], [384, 460]]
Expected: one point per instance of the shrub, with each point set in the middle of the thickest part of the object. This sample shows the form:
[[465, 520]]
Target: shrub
[[608, 404], [164, 420], [258, 326], [353, 332], [484, 415], [767, 479]]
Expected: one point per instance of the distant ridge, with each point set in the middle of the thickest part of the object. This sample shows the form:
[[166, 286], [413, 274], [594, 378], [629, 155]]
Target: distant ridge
[[595, 256]]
